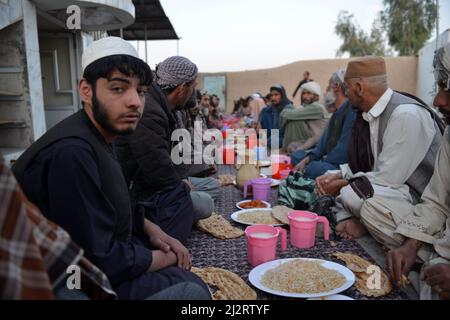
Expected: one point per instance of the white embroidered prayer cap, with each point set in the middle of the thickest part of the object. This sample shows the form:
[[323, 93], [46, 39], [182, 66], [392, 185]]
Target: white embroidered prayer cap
[[106, 47]]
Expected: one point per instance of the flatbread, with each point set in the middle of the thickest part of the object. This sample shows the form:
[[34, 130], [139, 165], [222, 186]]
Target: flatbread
[[227, 179], [281, 213], [230, 286], [360, 267], [353, 262], [219, 227]]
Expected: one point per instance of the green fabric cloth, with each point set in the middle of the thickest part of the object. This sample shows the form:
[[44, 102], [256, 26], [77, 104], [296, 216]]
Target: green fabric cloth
[[294, 122]]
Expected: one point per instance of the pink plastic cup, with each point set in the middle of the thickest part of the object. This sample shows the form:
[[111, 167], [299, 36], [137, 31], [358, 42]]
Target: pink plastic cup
[[303, 225], [262, 243], [261, 188]]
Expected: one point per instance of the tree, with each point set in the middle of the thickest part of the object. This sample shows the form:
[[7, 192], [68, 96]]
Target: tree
[[409, 24], [357, 42]]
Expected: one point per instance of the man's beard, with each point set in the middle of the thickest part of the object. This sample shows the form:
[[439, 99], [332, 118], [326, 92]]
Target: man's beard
[[102, 117]]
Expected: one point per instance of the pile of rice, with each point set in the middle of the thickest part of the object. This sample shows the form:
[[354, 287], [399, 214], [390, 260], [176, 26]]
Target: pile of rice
[[257, 217], [300, 276]]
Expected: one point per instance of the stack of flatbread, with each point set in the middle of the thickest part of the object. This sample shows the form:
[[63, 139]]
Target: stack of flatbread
[[219, 227], [281, 213], [227, 179], [229, 285], [364, 280]]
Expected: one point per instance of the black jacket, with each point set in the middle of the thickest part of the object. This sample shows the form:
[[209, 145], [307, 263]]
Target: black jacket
[[145, 154]]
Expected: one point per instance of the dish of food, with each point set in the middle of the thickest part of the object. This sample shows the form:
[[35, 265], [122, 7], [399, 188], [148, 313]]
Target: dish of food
[[301, 278], [252, 204], [256, 216]]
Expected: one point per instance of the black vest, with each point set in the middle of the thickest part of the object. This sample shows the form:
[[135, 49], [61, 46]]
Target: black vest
[[112, 181]]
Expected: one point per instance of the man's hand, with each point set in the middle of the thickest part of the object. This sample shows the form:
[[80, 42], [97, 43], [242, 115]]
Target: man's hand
[[162, 241], [330, 183], [161, 260], [302, 164], [324, 180], [400, 261], [190, 185], [183, 257], [438, 277], [334, 187]]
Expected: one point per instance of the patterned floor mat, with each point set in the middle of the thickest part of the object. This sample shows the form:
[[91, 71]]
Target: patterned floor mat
[[232, 254]]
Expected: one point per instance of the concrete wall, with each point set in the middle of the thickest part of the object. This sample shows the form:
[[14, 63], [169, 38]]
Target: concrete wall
[[402, 74], [16, 131]]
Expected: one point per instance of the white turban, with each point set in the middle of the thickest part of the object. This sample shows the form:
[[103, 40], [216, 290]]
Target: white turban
[[312, 86]]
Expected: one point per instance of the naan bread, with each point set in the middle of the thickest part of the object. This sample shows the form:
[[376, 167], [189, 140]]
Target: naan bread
[[230, 286], [219, 227], [226, 179], [281, 213], [360, 267]]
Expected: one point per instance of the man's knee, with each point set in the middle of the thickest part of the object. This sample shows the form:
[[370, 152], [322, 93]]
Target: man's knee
[[182, 291], [203, 205]]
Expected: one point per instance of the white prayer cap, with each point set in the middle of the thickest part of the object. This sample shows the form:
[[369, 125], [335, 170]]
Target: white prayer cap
[[312, 86], [106, 47]]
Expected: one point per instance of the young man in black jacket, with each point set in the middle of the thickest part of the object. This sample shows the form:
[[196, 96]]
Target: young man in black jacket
[[71, 173]]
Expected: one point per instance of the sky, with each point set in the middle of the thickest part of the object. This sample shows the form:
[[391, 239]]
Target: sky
[[238, 35]]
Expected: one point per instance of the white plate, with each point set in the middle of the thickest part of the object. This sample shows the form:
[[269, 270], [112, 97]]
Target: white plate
[[264, 163], [266, 171], [238, 205], [235, 217], [333, 297], [275, 183], [257, 273]]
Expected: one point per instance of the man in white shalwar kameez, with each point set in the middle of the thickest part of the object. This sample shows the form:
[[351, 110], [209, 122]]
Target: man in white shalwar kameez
[[404, 140]]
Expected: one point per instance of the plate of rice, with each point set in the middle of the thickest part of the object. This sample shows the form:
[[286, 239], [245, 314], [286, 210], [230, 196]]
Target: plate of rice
[[302, 278], [251, 217]]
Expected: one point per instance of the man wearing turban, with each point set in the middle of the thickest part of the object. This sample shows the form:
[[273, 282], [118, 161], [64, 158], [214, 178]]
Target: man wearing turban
[[304, 126]]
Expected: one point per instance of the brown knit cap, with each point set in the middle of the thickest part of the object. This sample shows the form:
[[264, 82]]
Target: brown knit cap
[[365, 67]]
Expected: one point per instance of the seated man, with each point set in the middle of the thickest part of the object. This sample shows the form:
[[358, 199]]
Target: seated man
[[269, 118], [304, 126], [145, 155], [204, 189], [50, 256], [391, 153], [47, 249], [71, 173], [331, 151], [424, 231]]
